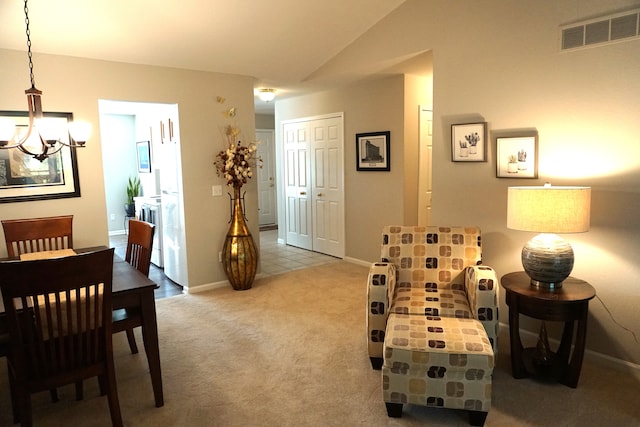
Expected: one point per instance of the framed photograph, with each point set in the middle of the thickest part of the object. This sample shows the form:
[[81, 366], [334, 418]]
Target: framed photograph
[[517, 156], [143, 148], [24, 178], [469, 142], [373, 151]]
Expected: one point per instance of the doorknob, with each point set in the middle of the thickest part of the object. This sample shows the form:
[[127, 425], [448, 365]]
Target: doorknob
[[320, 194], [303, 193]]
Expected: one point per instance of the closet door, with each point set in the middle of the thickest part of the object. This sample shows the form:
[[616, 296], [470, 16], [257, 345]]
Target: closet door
[[314, 187], [327, 186], [297, 188]]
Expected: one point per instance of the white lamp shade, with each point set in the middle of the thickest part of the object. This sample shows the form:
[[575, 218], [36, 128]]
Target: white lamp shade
[[7, 129], [80, 131], [51, 129], [549, 209]]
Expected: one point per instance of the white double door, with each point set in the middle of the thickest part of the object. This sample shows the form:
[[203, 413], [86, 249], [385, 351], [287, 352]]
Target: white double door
[[314, 184]]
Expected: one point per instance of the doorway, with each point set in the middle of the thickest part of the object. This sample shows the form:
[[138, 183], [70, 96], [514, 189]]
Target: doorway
[[313, 184], [124, 126]]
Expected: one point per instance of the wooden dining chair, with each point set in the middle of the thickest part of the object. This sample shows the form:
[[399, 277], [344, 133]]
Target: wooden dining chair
[[139, 248], [38, 234], [59, 317]]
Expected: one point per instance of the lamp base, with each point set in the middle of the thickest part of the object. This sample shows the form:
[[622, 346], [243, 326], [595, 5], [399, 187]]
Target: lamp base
[[546, 285], [548, 260]]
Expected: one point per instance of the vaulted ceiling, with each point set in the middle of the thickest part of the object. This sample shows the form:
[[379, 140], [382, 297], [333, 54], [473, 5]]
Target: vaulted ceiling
[[281, 43]]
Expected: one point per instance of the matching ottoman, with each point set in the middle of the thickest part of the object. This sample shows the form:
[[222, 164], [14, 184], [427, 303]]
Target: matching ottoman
[[438, 362]]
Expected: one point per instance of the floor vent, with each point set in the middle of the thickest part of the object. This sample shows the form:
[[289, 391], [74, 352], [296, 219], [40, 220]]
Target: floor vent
[[596, 32]]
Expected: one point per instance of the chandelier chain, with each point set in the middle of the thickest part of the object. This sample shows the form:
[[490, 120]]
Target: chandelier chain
[[29, 54]]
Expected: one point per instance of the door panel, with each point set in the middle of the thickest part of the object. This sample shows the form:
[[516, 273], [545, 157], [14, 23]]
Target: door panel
[[328, 193], [296, 189], [425, 186]]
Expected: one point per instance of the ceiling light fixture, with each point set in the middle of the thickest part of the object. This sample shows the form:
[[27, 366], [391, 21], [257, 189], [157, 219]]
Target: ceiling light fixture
[[266, 95], [51, 136]]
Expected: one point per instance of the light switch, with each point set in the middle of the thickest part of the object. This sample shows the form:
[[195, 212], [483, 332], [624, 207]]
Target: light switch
[[216, 190]]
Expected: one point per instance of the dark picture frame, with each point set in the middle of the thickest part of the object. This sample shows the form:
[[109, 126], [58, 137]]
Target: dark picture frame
[[373, 151], [143, 153], [24, 178], [469, 142], [517, 156]]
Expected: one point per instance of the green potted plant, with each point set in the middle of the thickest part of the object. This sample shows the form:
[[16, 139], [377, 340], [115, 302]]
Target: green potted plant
[[133, 190]]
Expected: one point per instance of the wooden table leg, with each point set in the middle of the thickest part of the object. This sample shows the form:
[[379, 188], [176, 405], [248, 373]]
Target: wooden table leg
[[575, 365], [151, 346], [517, 364]]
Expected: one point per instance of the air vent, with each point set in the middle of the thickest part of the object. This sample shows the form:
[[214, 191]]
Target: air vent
[[597, 32]]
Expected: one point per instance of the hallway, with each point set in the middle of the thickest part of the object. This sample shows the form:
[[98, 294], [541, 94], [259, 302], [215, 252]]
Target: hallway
[[275, 258]]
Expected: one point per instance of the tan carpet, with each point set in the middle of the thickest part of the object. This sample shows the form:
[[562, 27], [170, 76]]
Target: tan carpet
[[292, 352]]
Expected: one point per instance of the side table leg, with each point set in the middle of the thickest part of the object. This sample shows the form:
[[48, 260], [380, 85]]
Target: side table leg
[[575, 365], [517, 364]]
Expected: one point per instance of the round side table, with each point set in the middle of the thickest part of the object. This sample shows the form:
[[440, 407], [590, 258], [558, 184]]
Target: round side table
[[568, 304]]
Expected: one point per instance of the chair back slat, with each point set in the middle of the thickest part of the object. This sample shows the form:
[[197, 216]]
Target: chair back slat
[[140, 245], [38, 234]]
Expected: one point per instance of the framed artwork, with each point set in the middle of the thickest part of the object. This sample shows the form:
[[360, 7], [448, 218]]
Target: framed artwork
[[469, 142], [24, 178], [517, 156], [373, 151], [143, 149]]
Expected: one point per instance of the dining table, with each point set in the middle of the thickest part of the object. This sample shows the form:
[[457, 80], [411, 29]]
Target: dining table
[[132, 291]]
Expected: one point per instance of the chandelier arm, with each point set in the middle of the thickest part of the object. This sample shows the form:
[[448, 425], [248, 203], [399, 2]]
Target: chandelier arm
[[40, 156]]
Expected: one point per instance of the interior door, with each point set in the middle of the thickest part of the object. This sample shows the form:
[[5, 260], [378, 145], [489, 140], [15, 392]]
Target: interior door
[[297, 189], [266, 178], [314, 189], [425, 187], [327, 186]]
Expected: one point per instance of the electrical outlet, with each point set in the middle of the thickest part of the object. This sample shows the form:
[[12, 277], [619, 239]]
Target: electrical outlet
[[216, 190], [113, 217]]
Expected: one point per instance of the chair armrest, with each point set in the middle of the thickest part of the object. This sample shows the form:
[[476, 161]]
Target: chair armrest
[[481, 284], [380, 286]]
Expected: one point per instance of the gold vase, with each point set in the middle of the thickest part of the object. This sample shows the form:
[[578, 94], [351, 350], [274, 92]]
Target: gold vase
[[239, 254]]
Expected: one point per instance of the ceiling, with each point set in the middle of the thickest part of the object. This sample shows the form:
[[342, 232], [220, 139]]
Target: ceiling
[[283, 44]]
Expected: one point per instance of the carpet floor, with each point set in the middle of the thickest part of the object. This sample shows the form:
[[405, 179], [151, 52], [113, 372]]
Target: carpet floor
[[292, 352]]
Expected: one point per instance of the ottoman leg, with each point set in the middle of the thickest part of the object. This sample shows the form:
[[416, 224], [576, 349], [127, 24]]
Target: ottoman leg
[[477, 418], [376, 363], [394, 410]]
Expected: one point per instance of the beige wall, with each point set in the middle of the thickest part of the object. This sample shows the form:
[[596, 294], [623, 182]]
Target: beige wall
[[76, 85], [265, 121], [499, 61]]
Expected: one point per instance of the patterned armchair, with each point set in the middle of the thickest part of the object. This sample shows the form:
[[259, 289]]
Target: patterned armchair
[[432, 319]]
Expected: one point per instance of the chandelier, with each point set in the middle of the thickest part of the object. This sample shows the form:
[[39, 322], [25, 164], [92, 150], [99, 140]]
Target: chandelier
[[47, 131]]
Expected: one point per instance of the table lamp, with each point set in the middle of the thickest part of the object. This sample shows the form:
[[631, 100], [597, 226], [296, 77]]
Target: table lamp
[[548, 258]]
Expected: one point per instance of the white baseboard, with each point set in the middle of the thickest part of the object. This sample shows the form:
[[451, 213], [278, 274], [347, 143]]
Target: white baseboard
[[357, 261]]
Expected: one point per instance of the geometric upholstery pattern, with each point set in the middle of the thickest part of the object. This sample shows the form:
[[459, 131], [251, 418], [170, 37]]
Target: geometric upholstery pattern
[[432, 318], [437, 361]]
